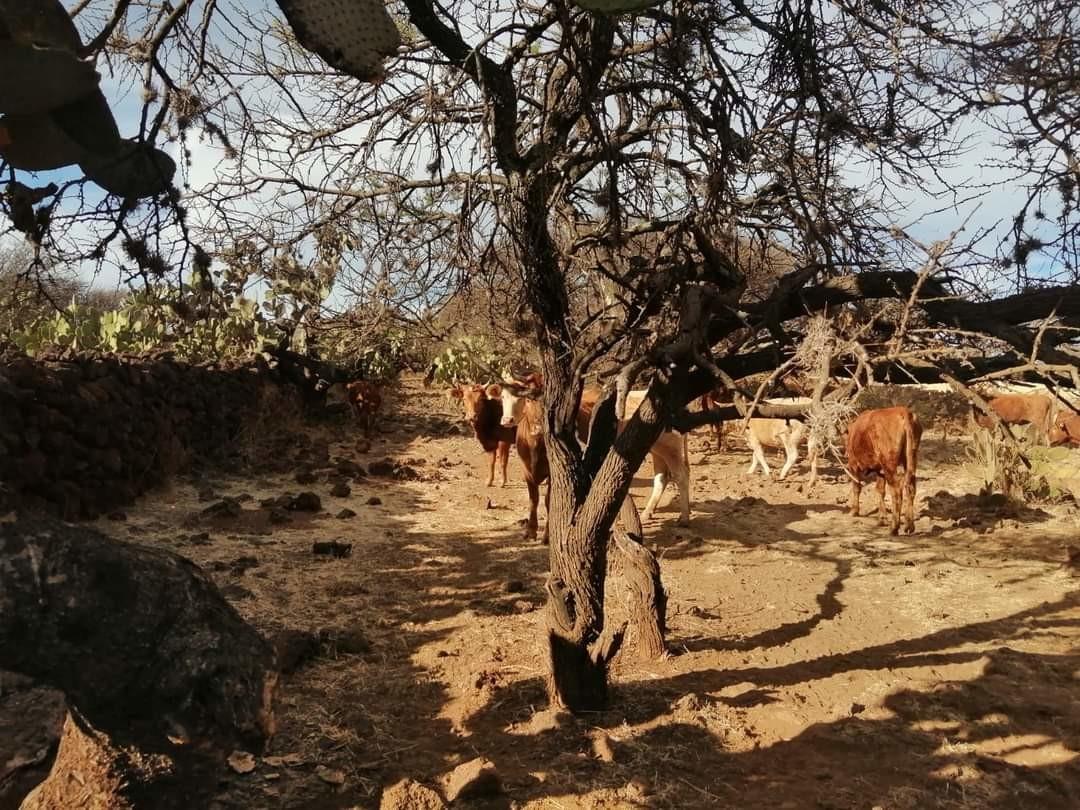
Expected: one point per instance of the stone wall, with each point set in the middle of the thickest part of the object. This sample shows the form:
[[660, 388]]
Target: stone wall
[[932, 404], [81, 435]]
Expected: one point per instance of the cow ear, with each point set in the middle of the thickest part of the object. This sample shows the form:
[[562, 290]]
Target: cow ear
[[454, 392], [493, 391]]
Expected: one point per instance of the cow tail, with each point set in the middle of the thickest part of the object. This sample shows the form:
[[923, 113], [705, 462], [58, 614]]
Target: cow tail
[[910, 449]]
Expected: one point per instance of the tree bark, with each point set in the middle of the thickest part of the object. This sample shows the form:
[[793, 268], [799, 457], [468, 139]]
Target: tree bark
[[646, 597], [161, 675]]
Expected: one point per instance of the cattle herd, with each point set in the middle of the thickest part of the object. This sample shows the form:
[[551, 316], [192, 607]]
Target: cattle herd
[[881, 444]]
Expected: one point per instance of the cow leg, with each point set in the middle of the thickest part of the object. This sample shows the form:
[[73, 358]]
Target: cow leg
[[880, 484], [758, 459], [680, 470], [491, 467], [660, 480], [547, 513], [896, 488], [909, 505], [534, 503], [812, 453], [791, 450], [856, 490], [504, 452]]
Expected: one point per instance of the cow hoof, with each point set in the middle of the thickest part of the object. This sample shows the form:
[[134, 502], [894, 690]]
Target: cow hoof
[[489, 483], [895, 530], [683, 521]]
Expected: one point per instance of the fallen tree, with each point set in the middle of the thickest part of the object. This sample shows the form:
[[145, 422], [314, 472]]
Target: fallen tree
[[162, 676]]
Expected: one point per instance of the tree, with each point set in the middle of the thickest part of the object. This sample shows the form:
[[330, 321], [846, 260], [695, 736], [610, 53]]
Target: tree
[[702, 125]]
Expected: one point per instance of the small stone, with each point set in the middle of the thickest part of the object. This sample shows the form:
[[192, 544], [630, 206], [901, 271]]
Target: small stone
[[340, 490], [235, 592], [410, 795], [200, 539], [473, 779], [515, 586], [278, 515], [382, 468], [305, 477], [602, 749], [226, 507], [241, 565], [241, 761], [346, 640], [857, 708], [345, 514], [117, 515], [331, 776], [374, 500], [331, 548], [305, 502], [293, 648], [350, 468], [285, 760]]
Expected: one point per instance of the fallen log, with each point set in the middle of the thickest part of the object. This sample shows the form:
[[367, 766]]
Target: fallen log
[[162, 676]]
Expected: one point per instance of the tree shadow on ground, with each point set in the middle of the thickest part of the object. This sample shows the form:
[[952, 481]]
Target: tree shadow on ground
[[455, 662], [959, 744], [986, 510]]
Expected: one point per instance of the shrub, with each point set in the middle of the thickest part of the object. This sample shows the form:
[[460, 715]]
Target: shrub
[[474, 360]]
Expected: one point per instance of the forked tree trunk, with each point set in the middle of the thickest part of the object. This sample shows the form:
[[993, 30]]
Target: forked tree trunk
[[582, 644], [584, 501], [161, 675]]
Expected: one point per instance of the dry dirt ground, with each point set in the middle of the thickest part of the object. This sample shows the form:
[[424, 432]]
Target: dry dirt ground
[[816, 661]]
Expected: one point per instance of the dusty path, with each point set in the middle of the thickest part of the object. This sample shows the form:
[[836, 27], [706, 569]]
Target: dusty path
[[820, 663]]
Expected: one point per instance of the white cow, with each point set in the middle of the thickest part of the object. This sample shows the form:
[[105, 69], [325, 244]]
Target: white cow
[[785, 433]]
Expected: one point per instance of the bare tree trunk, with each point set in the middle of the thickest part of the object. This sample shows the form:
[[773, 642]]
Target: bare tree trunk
[[161, 675], [581, 645], [647, 599]]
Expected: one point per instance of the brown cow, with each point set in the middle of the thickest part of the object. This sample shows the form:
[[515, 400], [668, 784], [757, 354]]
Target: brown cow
[[483, 410], [669, 453], [1019, 409], [880, 442], [1065, 429], [365, 399]]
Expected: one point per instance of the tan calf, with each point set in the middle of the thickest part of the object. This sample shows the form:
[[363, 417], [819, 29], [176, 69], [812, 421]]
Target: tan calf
[[785, 433]]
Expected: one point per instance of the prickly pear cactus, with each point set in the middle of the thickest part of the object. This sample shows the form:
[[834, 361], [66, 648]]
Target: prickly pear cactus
[[353, 36]]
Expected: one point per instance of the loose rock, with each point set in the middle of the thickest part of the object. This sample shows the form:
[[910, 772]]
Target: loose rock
[[410, 795], [473, 779]]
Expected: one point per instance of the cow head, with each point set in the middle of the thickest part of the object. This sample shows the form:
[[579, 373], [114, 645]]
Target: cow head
[[473, 398], [516, 394], [1065, 428]]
